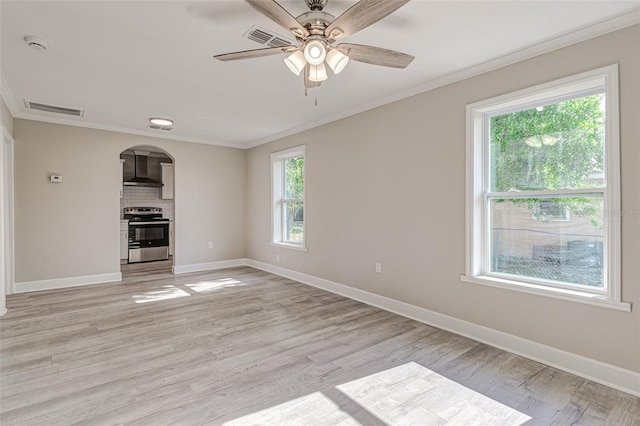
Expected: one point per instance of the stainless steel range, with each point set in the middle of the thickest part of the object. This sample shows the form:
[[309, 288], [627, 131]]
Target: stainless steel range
[[148, 234]]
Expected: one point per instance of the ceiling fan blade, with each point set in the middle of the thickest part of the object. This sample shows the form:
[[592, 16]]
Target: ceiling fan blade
[[255, 53], [360, 16], [375, 55], [308, 84], [272, 10]]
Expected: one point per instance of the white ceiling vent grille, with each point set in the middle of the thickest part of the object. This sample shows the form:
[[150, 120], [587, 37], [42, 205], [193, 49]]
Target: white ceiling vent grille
[[53, 108], [159, 127], [267, 38]]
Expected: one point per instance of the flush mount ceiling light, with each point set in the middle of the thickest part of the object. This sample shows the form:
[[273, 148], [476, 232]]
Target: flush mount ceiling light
[[161, 121], [317, 32], [36, 43]]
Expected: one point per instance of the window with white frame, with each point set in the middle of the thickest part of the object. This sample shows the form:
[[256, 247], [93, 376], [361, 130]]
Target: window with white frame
[[543, 191], [288, 188]]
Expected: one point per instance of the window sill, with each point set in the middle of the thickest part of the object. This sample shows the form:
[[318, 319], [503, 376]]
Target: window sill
[[289, 246], [556, 293]]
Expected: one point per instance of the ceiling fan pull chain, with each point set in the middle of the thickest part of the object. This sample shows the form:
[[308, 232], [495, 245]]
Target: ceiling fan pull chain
[[316, 101]]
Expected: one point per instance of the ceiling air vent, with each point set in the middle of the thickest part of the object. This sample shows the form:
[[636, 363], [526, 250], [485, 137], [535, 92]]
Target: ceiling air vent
[[267, 38], [159, 127], [53, 108]]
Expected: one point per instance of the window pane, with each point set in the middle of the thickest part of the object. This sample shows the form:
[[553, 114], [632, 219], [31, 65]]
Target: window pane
[[293, 181], [557, 146], [557, 239], [293, 222]]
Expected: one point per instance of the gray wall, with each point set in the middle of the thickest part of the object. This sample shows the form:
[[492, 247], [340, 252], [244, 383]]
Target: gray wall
[[72, 228], [388, 185], [5, 116]]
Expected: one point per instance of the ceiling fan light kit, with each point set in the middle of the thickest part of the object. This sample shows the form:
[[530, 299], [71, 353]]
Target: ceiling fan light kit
[[317, 73], [296, 62], [315, 52], [337, 60], [317, 31]]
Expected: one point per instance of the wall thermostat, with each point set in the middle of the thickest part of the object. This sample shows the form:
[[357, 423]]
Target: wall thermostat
[[56, 178]]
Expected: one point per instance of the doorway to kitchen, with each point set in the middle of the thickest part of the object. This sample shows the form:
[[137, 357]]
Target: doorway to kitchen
[[147, 212]]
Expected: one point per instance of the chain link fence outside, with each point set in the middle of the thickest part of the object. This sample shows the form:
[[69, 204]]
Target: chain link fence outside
[[570, 258]]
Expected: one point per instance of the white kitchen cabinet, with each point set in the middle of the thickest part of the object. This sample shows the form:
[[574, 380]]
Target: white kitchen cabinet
[[171, 238], [122, 160], [167, 181], [124, 239]]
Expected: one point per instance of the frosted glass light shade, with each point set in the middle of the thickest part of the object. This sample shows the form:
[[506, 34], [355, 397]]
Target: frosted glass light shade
[[295, 62], [337, 60], [315, 52], [317, 73]]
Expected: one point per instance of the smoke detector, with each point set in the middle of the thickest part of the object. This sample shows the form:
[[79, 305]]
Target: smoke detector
[[36, 43]]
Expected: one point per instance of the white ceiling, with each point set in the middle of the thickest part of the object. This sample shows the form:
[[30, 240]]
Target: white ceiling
[[126, 61]]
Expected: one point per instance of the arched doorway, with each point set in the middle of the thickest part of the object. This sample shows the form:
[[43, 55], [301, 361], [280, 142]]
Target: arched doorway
[[147, 212]]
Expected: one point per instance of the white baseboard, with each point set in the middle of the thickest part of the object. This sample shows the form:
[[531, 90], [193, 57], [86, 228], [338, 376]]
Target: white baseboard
[[209, 266], [28, 286], [597, 371]]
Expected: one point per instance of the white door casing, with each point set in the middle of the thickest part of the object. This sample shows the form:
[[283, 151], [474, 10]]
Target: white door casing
[[7, 218]]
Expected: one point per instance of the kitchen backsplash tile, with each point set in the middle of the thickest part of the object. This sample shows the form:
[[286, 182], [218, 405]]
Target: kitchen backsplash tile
[[140, 196]]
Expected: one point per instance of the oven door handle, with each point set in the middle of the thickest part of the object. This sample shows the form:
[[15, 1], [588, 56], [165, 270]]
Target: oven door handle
[[155, 222]]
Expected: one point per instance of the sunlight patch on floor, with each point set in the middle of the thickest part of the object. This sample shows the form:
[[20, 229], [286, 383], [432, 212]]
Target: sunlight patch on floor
[[412, 394], [207, 286], [164, 293], [314, 409], [409, 394]]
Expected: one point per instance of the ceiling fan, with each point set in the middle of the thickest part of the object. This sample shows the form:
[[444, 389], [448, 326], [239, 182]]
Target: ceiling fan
[[317, 31]]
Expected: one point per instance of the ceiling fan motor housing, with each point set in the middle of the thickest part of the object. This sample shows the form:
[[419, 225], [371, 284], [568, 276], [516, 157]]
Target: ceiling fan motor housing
[[315, 22], [316, 4]]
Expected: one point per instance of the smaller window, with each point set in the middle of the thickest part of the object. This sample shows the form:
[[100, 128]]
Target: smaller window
[[288, 188]]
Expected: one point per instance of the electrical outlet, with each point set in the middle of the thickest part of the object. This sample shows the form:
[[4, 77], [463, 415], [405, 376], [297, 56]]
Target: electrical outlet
[[378, 268], [277, 258], [210, 244]]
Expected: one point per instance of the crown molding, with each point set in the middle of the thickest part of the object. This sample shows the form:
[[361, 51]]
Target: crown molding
[[11, 103], [549, 45], [118, 129]]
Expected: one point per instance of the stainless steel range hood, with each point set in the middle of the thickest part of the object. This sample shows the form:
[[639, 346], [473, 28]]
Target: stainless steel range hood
[[141, 176]]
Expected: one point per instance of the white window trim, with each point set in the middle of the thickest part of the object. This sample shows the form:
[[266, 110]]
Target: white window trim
[[276, 198], [475, 209]]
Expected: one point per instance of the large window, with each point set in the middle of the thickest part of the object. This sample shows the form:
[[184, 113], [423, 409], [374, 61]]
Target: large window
[[543, 190], [288, 178]]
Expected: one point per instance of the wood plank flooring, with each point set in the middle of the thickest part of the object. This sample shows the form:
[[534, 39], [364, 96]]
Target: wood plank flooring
[[241, 346]]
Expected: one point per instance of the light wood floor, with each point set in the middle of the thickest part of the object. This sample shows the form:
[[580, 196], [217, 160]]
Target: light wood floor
[[241, 346]]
